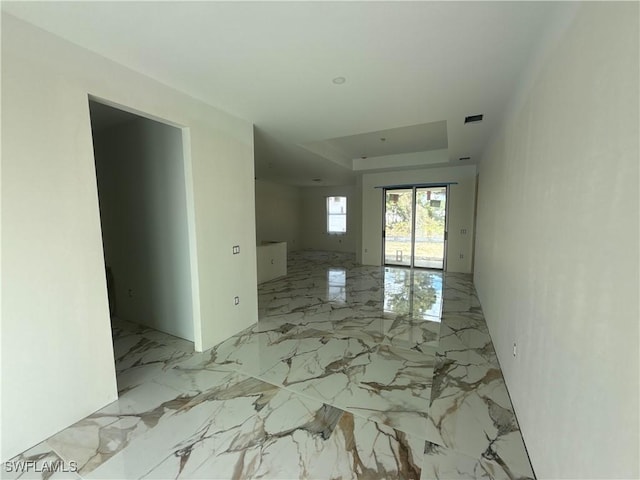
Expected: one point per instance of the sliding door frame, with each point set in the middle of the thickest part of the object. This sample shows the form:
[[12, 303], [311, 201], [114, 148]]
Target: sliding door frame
[[414, 196]]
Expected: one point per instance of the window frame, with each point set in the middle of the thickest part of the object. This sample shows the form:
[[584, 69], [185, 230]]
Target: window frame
[[329, 214]]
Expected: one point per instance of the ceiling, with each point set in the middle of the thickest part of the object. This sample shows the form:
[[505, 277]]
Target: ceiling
[[428, 136], [412, 70]]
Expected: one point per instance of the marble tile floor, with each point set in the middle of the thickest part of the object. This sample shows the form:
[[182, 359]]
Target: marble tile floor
[[350, 372]]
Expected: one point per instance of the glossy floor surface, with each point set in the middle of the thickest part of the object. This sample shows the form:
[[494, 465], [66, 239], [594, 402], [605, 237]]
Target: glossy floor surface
[[351, 372]]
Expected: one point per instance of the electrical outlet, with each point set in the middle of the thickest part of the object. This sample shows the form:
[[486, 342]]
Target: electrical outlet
[[236, 249], [236, 300], [130, 293], [515, 349], [462, 255], [463, 231]]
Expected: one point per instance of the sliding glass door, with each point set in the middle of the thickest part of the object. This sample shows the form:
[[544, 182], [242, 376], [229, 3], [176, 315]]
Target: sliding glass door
[[415, 227], [431, 212], [398, 230]]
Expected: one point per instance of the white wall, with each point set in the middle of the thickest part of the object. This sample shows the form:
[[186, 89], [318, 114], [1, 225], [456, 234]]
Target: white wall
[[461, 205], [278, 214], [143, 211], [557, 248], [314, 223], [272, 261], [57, 359]]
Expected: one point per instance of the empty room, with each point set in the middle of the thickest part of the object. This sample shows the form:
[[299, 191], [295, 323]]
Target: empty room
[[320, 240]]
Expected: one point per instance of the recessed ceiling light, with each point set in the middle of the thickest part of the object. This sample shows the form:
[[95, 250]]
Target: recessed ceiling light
[[473, 118], [339, 80], [316, 180], [464, 158]]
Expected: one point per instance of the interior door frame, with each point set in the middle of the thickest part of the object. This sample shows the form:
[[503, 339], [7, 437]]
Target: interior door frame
[[414, 188]]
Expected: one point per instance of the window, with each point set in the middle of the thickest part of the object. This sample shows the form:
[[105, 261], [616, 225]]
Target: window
[[336, 214]]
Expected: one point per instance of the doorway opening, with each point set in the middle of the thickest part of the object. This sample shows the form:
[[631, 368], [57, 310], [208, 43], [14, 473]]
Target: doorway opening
[[415, 226], [142, 198]]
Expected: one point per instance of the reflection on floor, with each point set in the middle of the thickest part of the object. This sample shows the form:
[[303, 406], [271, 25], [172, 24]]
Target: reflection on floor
[[351, 372]]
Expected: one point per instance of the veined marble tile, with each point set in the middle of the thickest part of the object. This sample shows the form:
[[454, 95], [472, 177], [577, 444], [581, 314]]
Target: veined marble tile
[[252, 429], [348, 372], [370, 329], [418, 335], [441, 463], [39, 462], [467, 344], [460, 294], [471, 412], [240, 352], [142, 353], [393, 389], [95, 439], [309, 353], [384, 383], [121, 327], [470, 317], [421, 335], [379, 292], [416, 294]]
